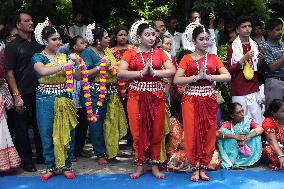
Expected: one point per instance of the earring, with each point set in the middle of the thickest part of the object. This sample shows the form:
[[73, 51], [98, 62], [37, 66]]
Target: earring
[[99, 43], [139, 40]]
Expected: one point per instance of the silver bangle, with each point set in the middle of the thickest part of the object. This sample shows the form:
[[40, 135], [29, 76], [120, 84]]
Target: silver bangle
[[141, 73], [280, 156], [155, 73], [210, 77], [62, 67], [194, 79], [97, 67]]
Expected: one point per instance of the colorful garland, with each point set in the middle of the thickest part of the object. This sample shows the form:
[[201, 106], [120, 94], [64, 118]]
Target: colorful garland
[[69, 79], [86, 87]]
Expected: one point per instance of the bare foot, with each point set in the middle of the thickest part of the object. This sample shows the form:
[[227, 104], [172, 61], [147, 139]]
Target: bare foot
[[47, 175], [203, 175], [102, 161], [156, 172], [138, 173], [195, 176]]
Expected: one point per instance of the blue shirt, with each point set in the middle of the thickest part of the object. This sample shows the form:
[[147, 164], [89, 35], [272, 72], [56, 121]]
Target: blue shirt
[[273, 51]]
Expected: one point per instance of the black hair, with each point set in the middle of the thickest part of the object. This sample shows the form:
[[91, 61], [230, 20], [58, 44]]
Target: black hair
[[175, 108], [143, 27], [6, 32], [17, 18], [273, 23], [47, 32], [242, 19], [274, 106], [232, 108], [98, 34], [73, 41], [193, 11], [198, 30], [181, 54], [164, 37], [113, 41]]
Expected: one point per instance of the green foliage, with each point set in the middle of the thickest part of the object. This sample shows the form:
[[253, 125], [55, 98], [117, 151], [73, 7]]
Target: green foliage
[[150, 10], [59, 11]]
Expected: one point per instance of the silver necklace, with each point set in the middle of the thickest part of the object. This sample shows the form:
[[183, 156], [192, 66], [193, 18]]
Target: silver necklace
[[151, 57]]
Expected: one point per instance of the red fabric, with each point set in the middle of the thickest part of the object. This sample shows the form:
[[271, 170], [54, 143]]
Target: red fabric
[[133, 58], [157, 127], [148, 105], [200, 113], [240, 86]]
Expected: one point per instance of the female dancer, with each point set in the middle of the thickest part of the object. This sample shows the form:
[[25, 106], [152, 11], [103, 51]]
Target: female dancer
[[146, 102], [199, 71], [56, 113], [111, 123]]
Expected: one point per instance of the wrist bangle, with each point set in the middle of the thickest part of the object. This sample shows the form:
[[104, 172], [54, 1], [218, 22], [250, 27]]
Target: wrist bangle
[[140, 73], [194, 79], [280, 156], [62, 67], [223, 135], [155, 73], [16, 94], [97, 67]]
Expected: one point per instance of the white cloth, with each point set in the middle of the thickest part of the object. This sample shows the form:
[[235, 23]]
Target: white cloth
[[212, 48], [77, 93], [76, 30], [251, 105], [9, 157], [176, 42], [238, 52]]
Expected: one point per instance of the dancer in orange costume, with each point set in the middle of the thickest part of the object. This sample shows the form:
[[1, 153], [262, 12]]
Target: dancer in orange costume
[[146, 102], [199, 103]]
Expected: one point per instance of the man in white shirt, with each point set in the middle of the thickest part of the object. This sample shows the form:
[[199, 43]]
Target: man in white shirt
[[176, 36], [195, 17], [78, 28]]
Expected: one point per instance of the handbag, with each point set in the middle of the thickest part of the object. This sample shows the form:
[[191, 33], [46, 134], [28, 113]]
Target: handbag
[[248, 71], [245, 150]]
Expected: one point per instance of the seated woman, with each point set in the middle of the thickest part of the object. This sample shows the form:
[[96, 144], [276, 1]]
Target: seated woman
[[239, 140], [273, 126]]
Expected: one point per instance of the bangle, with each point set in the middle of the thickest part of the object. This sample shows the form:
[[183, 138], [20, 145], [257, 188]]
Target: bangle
[[141, 73], [223, 135], [97, 67], [16, 94], [210, 77], [76, 67], [194, 79], [155, 73], [62, 67], [280, 156]]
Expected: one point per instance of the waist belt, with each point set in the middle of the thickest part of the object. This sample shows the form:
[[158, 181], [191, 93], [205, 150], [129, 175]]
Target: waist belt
[[52, 89], [199, 90], [146, 86], [110, 87]]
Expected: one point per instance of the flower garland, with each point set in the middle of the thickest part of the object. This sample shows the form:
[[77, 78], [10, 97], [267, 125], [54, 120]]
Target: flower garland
[[102, 95], [69, 79], [86, 87]]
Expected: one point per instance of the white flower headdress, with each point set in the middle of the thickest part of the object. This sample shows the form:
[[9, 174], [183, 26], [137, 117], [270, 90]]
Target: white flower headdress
[[133, 30], [38, 31], [189, 30], [89, 33]]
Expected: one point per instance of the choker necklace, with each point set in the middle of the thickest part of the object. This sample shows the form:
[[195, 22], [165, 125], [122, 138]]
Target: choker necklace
[[143, 61]]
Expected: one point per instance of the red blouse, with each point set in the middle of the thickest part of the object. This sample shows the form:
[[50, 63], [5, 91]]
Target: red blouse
[[134, 59], [269, 126], [189, 65]]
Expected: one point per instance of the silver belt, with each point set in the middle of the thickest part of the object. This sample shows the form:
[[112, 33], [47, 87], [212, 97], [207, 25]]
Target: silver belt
[[146, 86], [199, 90], [111, 88], [57, 89]]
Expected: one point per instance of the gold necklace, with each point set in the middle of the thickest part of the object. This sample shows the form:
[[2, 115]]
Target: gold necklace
[[51, 59]]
